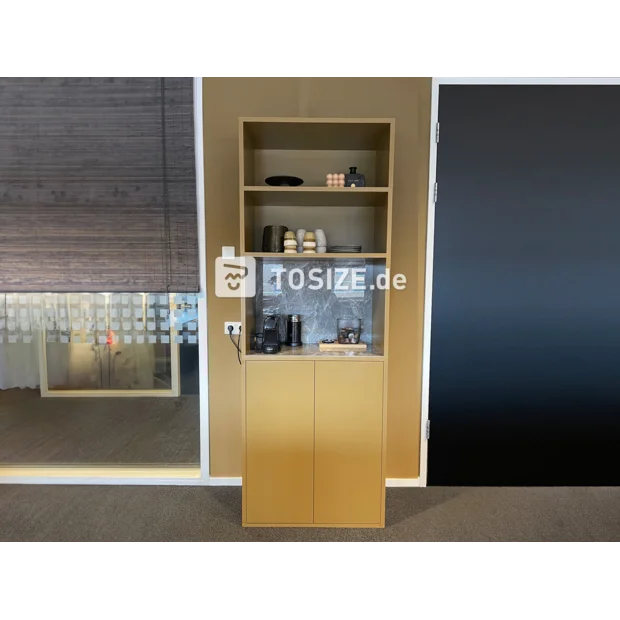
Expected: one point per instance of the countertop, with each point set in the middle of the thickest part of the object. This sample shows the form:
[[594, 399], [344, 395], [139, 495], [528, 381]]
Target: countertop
[[311, 351]]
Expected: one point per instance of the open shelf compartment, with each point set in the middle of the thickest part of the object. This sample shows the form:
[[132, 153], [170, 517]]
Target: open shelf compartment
[[319, 309], [312, 148], [361, 225]]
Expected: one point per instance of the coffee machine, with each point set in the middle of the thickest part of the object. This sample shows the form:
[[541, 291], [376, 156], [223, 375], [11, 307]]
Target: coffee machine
[[271, 334]]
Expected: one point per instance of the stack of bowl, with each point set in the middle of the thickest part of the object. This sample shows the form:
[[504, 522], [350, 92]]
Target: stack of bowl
[[290, 243], [309, 243]]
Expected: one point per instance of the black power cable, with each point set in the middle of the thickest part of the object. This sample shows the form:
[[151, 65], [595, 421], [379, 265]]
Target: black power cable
[[236, 344]]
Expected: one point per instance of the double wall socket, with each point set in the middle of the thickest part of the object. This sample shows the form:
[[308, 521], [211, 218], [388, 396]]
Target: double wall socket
[[236, 327]]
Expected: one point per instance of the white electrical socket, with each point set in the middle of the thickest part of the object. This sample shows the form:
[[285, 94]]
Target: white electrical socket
[[236, 327]]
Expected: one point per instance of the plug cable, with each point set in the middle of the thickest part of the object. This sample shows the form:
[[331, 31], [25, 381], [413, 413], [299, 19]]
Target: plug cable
[[237, 344]]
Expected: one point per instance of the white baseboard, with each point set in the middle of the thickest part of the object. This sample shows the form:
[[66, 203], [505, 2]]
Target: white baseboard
[[184, 476], [225, 482], [402, 482], [134, 476], [389, 482]]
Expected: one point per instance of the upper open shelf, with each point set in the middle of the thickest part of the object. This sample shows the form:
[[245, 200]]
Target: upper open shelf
[[312, 148], [325, 134]]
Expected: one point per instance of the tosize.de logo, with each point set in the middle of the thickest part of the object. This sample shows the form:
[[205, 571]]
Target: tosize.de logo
[[235, 277]]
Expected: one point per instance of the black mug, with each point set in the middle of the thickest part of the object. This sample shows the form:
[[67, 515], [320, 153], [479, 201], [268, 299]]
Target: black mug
[[273, 238]]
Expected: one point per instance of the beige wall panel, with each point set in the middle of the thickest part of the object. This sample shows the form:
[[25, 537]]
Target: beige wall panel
[[408, 101]]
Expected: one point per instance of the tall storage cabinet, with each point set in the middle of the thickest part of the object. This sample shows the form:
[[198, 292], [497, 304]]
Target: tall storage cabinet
[[314, 423]]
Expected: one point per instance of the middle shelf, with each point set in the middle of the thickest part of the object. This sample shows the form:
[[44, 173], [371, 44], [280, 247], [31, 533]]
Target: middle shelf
[[307, 257], [315, 196]]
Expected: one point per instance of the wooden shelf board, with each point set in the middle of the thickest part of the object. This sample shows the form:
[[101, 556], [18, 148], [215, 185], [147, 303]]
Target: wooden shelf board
[[312, 352], [316, 196], [334, 256], [311, 120], [314, 188]]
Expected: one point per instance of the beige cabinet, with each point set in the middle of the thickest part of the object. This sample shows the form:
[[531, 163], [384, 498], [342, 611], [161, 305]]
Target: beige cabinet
[[314, 443]]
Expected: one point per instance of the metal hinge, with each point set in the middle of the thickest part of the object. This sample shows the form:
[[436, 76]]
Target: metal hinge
[[435, 190], [437, 133], [428, 429]]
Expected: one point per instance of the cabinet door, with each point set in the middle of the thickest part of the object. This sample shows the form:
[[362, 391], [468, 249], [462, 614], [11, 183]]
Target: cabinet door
[[279, 441], [348, 477]]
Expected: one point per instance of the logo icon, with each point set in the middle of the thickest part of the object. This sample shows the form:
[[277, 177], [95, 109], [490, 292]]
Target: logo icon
[[235, 277]]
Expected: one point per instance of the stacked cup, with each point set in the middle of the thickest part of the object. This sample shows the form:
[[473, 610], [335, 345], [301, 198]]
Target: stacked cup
[[290, 243], [301, 233], [321, 241], [309, 243]]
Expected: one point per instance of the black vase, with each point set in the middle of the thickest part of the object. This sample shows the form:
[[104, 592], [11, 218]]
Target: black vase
[[273, 238]]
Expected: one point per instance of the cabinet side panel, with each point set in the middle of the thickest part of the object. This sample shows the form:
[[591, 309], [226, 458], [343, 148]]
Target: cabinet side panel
[[379, 332], [279, 442], [348, 442]]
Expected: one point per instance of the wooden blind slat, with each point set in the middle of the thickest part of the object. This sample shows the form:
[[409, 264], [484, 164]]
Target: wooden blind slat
[[97, 185]]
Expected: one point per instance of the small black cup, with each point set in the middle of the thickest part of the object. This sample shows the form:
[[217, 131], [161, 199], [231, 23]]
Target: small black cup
[[273, 238]]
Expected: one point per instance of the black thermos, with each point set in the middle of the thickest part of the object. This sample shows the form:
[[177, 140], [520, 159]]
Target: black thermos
[[293, 330]]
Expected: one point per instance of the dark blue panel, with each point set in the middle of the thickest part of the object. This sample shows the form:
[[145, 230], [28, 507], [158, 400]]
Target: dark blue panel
[[525, 359]]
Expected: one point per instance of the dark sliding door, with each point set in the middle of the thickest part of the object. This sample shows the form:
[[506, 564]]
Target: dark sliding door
[[525, 353]]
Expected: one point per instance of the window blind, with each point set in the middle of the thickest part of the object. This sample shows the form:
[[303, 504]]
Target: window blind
[[97, 185]]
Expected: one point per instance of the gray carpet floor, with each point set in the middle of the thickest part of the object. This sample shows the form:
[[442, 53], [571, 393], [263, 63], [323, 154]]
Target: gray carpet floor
[[108, 513], [35, 430]]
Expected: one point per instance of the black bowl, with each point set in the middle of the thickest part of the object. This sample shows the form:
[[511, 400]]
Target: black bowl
[[284, 181]]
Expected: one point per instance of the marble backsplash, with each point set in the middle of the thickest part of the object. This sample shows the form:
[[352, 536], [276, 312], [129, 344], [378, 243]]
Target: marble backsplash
[[319, 309]]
